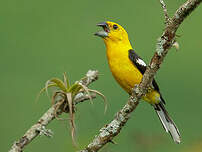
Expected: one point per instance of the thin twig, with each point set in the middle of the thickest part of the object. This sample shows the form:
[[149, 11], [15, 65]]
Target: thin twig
[[39, 127], [167, 19], [165, 42]]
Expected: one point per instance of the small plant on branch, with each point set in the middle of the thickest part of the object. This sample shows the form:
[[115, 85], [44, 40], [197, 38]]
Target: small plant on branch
[[64, 96]]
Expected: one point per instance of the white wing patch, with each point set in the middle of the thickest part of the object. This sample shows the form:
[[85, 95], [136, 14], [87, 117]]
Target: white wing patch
[[141, 62]]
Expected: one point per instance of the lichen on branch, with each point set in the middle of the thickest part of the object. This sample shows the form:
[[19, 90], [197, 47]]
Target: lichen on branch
[[164, 43]]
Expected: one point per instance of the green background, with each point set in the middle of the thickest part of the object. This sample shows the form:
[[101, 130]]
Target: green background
[[40, 39]]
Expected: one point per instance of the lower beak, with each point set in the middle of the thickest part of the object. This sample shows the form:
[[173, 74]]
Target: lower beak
[[102, 33]]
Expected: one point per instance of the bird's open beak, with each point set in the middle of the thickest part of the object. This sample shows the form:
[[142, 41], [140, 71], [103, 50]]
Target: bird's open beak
[[104, 32]]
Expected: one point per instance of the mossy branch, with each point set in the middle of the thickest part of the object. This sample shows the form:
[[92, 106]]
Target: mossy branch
[[49, 115], [165, 42]]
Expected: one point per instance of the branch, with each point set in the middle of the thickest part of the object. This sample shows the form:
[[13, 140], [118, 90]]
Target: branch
[[167, 19], [39, 127], [165, 42]]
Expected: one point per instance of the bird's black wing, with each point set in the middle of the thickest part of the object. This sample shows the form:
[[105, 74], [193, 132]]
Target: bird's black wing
[[141, 65], [137, 61]]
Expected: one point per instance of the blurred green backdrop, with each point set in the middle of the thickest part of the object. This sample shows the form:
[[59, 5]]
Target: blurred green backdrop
[[40, 39]]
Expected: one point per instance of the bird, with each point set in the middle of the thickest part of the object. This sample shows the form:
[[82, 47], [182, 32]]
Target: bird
[[127, 67]]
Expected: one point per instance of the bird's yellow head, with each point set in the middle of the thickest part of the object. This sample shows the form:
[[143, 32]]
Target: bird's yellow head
[[112, 32]]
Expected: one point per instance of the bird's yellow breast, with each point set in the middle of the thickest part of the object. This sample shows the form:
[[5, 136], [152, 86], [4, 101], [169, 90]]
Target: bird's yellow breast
[[125, 73]]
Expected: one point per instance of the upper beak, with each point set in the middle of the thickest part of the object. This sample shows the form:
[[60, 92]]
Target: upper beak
[[102, 24], [103, 33]]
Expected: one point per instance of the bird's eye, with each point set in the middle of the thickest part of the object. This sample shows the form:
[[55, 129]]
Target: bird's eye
[[115, 26]]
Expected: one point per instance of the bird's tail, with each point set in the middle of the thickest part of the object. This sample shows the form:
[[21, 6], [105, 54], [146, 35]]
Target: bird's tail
[[167, 122]]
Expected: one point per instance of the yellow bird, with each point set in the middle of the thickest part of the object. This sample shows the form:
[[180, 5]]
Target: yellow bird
[[128, 68]]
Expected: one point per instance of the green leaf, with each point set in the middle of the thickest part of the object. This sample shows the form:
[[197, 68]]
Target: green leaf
[[74, 88], [59, 83], [66, 81]]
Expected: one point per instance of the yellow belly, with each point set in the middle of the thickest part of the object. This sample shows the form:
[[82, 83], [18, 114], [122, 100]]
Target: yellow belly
[[127, 75]]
